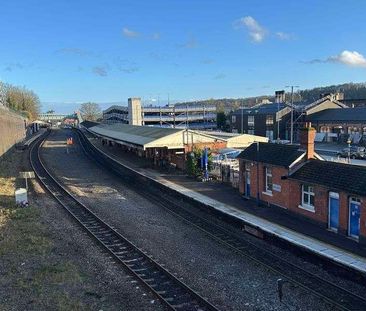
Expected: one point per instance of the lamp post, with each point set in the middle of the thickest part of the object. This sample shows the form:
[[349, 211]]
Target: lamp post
[[349, 150], [242, 116], [292, 112]]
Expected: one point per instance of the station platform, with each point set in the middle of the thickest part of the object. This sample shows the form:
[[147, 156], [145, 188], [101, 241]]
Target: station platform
[[30, 139], [273, 221]]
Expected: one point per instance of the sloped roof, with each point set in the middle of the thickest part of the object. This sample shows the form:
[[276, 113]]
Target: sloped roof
[[333, 175], [133, 134], [345, 114], [88, 124], [261, 109], [269, 153]]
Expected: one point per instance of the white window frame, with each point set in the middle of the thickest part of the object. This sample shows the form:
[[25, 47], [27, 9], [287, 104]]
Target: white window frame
[[269, 119], [251, 121], [356, 200], [268, 174], [310, 192]]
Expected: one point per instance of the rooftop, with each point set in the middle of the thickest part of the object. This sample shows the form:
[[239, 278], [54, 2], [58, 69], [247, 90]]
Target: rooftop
[[345, 114], [275, 154], [133, 134], [333, 175]]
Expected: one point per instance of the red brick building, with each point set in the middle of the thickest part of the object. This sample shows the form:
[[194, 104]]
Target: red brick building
[[297, 179]]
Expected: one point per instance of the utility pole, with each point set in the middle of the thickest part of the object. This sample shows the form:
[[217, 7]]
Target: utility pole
[[242, 117], [292, 113]]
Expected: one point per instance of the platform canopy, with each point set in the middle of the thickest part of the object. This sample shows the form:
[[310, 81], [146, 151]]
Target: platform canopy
[[140, 136], [143, 137]]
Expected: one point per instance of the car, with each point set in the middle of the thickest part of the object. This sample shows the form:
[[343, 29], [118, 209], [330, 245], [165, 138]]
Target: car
[[354, 152]]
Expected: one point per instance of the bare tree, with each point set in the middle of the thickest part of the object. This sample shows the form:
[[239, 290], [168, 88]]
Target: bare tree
[[90, 111], [22, 100]]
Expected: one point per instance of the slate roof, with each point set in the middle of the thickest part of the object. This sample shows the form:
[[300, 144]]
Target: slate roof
[[262, 109], [275, 154], [134, 134], [333, 175], [88, 124], [334, 115]]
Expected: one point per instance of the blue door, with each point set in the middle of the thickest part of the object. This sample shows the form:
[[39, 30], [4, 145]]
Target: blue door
[[247, 183], [333, 210], [354, 217]]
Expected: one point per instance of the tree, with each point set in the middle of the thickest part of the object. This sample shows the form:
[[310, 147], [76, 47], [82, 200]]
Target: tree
[[22, 100], [221, 120], [90, 111], [50, 111]]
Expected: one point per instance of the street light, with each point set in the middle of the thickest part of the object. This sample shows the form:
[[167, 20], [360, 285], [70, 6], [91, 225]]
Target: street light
[[349, 149], [292, 112]]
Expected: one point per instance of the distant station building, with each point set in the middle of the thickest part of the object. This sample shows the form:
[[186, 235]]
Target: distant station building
[[192, 116], [340, 125], [273, 120], [165, 146], [51, 117]]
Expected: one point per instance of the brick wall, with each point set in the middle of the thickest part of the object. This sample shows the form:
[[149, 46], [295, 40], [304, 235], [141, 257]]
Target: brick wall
[[12, 130], [278, 196], [290, 197], [212, 146]]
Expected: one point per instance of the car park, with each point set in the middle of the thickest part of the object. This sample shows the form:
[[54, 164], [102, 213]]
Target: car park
[[354, 152]]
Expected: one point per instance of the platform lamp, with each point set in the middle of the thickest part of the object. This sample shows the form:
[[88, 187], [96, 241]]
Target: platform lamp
[[349, 149]]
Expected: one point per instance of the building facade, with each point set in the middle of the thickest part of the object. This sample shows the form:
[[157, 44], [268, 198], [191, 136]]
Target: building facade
[[194, 117], [331, 194], [273, 120]]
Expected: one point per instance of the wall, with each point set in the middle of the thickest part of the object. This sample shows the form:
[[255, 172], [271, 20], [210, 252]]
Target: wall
[[12, 129], [290, 197], [279, 198]]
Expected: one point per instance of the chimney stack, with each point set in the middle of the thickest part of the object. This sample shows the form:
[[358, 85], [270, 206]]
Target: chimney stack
[[280, 97], [307, 137]]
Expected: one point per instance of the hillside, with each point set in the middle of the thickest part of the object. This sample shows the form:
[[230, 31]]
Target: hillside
[[350, 90]]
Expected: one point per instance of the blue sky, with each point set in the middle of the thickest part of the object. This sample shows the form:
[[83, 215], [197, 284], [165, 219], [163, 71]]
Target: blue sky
[[70, 52]]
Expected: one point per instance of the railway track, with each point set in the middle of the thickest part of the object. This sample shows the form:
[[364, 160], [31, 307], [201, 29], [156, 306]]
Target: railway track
[[171, 291], [330, 292]]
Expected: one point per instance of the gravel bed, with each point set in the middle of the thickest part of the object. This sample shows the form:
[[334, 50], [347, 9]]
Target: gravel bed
[[69, 272], [228, 280], [314, 266]]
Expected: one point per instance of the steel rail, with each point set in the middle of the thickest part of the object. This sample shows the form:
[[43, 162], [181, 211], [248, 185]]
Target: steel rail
[[332, 293], [171, 291]]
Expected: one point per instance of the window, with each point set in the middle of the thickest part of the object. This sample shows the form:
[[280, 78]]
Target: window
[[269, 184], [308, 197], [251, 132], [233, 119], [269, 135], [269, 120], [250, 120]]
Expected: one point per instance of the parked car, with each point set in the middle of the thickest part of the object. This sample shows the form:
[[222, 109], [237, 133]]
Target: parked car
[[355, 152]]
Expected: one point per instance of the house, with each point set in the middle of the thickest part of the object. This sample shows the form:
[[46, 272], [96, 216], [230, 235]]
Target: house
[[339, 125], [273, 120], [298, 180]]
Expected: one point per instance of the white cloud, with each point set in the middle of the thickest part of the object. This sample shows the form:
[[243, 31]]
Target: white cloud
[[191, 43], [129, 33], [155, 36], [350, 58], [256, 31], [219, 76], [100, 71], [283, 35]]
